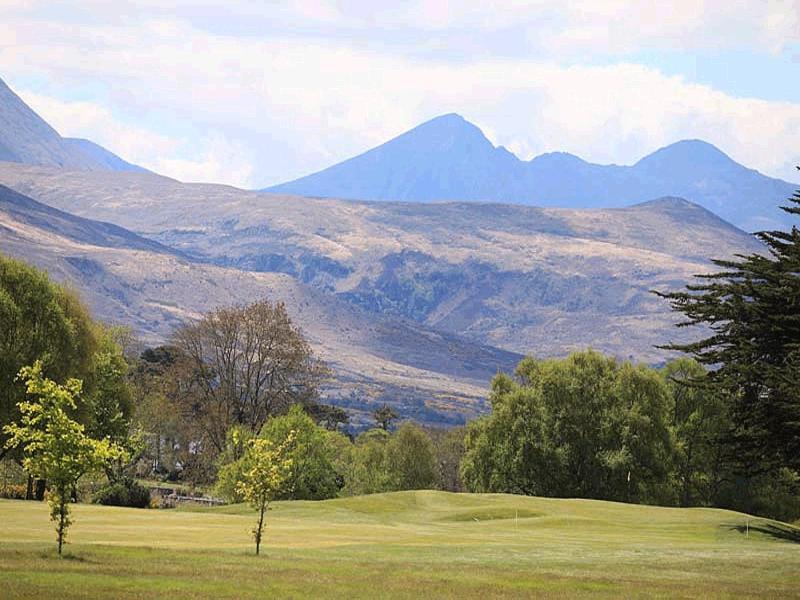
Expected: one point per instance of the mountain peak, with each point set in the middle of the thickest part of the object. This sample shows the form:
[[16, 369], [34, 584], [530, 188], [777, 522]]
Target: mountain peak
[[445, 131], [449, 158], [557, 160], [687, 153], [27, 138], [445, 158], [453, 118]]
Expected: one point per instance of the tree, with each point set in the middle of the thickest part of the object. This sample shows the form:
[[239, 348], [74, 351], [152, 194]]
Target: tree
[[42, 321], [410, 459], [585, 426], [249, 363], [752, 307], [369, 474], [267, 467], [384, 415], [449, 450], [161, 382], [510, 450], [326, 415], [699, 418], [55, 447], [110, 404], [313, 453]]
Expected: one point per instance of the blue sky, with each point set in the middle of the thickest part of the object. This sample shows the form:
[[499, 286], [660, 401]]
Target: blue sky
[[253, 93]]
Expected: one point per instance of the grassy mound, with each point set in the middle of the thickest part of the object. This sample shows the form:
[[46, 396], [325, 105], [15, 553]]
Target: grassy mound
[[404, 544]]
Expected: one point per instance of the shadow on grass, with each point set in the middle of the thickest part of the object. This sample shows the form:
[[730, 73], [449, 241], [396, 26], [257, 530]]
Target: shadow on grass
[[776, 530], [67, 555]]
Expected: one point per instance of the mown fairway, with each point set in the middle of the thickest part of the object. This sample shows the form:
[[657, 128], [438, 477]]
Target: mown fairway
[[406, 544]]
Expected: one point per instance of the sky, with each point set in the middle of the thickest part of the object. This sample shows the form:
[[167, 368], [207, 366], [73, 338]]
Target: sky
[[252, 93]]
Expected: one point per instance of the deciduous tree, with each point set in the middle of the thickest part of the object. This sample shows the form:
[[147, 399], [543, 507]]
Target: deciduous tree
[[39, 321], [55, 447], [249, 363], [584, 426], [410, 459], [266, 469]]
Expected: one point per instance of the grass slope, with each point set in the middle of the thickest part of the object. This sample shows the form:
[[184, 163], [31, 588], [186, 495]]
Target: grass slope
[[405, 544]]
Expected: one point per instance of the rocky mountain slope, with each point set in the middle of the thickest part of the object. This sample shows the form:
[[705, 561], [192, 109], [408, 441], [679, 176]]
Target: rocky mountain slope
[[26, 138], [530, 280], [449, 158], [432, 376]]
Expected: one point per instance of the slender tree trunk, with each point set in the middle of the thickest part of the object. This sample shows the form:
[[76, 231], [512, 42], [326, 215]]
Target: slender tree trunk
[[29, 490], [260, 527], [62, 517], [686, 494]]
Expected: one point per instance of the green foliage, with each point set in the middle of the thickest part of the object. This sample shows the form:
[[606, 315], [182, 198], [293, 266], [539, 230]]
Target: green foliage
[[230, 464], [266, 468], [124, 492], [383, 462], [449, 449], [410, 459], [313, 475], [699, 419], [55, 447], [110, 404], [39, 321], [776, 494], [585, 426], [752, 307], [316, 457], [368, 474]]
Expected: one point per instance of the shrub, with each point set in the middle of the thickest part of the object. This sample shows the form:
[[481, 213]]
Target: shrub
[[127, 492], [13, 491]]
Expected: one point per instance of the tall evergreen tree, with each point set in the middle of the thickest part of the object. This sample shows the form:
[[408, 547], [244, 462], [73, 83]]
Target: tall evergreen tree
[[752, 308]]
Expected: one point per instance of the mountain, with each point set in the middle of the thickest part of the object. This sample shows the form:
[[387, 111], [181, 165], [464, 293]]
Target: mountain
[[26, 138], [432, 376], [28, 212], [108, 159], [448, 158], [529, 280]]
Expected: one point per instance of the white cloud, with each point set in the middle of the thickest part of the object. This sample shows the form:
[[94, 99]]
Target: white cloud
[[211, 158], [253, 110], [218, 160], [93, 121], [622, 26]]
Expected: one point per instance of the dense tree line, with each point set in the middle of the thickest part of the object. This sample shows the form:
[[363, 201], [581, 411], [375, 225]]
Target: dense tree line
[[589, 426]]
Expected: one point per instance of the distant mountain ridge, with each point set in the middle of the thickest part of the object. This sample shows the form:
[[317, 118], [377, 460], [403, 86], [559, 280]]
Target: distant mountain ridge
[[432, 376], [102, 156], [27, 138], [449, 158], [76, 229], [521, 278]]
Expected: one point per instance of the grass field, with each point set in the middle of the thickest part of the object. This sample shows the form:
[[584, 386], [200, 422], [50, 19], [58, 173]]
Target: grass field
[[406, 544]]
